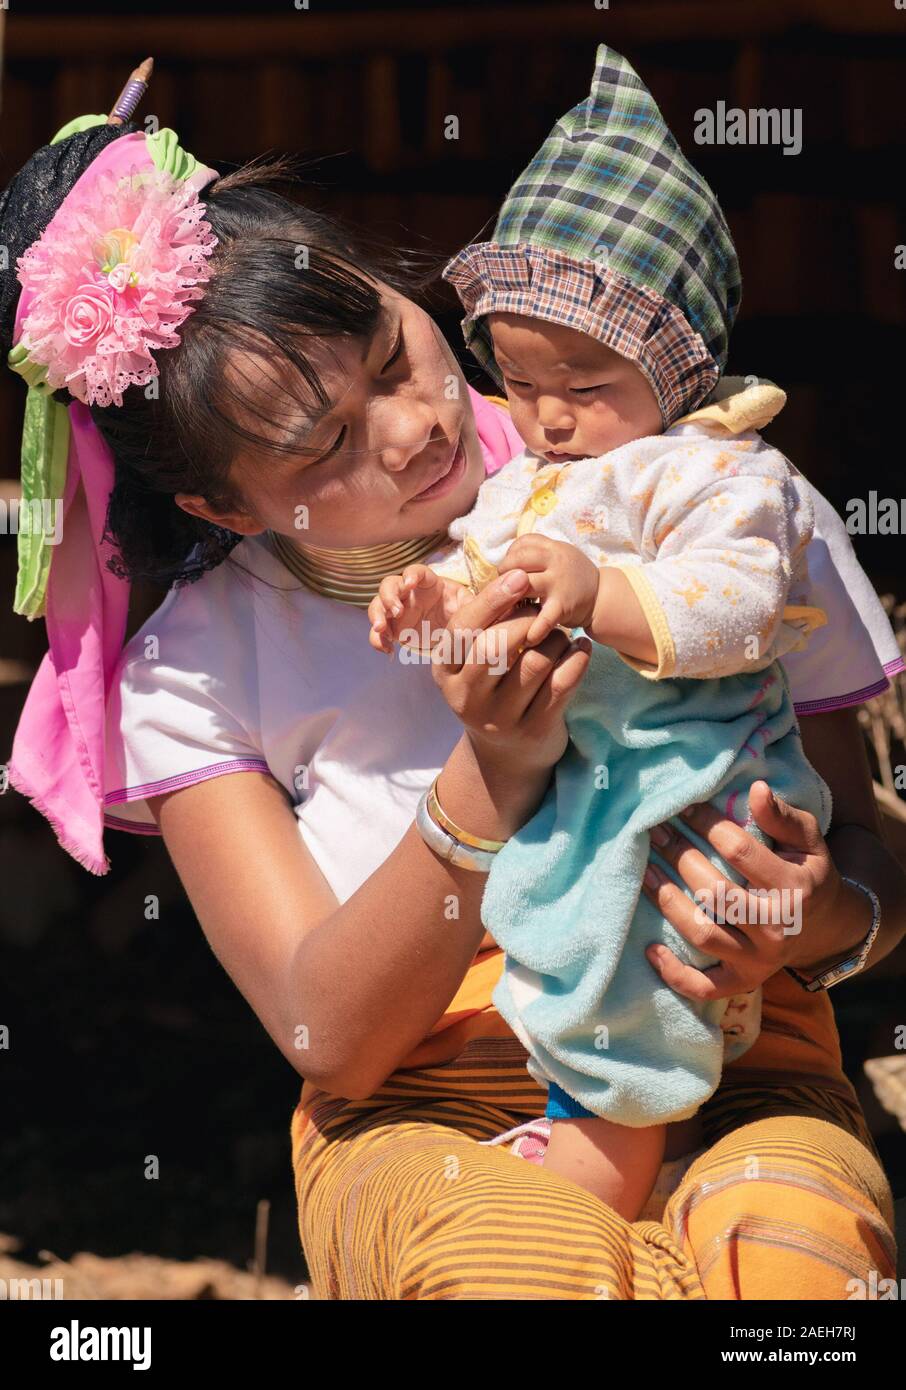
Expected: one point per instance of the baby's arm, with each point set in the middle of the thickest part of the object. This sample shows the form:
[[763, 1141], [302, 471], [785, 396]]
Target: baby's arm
[[722, 530], [575, 592]]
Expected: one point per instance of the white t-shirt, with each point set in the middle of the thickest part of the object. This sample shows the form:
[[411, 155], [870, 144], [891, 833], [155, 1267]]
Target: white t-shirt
[[247, 670]]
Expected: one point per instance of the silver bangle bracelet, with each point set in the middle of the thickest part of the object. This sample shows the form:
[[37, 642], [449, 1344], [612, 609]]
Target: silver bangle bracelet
[[853, 963], [447, 846]]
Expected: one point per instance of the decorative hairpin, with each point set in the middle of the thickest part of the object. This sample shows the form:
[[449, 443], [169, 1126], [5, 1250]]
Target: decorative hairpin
[[129, 98], [115, 273]]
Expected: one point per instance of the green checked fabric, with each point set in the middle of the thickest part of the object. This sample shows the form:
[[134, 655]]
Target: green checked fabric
[[611, 231]]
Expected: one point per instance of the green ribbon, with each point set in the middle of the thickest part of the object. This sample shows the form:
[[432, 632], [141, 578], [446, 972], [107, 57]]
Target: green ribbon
[[45, 429], [168, 155], [45, 448]]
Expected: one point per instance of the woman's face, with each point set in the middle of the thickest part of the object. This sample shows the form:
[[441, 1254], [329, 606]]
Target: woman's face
[[396, 455]]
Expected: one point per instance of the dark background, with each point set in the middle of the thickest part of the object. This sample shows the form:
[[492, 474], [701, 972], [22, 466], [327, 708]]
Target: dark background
[[127, 1038]]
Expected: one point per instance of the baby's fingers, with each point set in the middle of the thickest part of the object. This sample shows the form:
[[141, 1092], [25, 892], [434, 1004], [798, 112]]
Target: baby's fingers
[[549, 615], [418, 577], [381, 614], [377, 611], [390, 595], [380, 641], [380, 635]]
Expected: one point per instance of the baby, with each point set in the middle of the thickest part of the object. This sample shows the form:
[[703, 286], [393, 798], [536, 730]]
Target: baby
[[675, 538]]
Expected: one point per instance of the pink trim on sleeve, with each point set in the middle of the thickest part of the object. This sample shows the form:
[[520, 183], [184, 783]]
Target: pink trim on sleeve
[[134, 827], [183, 779], [854, 697]]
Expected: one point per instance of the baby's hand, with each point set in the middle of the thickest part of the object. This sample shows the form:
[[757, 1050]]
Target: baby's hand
[[560, 575], [407, 601]]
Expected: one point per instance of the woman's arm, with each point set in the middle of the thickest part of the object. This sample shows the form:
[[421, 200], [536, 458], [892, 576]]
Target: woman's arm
[[342, 1002], [346, 1002], [835, 746], [835, 917]]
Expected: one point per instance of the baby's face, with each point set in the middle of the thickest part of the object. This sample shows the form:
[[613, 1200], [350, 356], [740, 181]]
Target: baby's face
[[570, 396]]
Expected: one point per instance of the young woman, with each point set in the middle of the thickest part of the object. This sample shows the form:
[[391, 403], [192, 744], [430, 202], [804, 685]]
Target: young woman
[[313, 409]]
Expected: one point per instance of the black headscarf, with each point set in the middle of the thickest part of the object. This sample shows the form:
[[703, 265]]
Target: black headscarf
[[32, 197]]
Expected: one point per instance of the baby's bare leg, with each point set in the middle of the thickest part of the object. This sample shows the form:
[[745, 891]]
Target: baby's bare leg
[[616, 1163]]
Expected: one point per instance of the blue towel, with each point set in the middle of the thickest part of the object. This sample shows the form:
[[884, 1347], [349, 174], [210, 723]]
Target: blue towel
[[563, 899]]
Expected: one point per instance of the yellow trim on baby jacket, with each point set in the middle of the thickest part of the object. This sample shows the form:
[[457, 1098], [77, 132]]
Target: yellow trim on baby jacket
[[733, 407]]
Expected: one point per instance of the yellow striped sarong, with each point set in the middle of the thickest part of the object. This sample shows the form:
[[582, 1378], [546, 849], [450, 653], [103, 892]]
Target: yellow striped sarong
[[398, 1199]]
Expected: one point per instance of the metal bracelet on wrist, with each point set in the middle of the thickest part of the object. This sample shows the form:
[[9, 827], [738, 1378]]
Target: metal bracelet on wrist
[[853, 963], [447, 846]]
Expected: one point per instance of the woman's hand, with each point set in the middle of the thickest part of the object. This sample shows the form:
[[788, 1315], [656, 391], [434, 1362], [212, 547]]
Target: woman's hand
[[509, 697], [799, 865]]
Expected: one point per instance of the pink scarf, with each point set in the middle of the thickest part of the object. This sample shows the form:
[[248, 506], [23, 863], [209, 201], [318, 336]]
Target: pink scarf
[[58, 750]]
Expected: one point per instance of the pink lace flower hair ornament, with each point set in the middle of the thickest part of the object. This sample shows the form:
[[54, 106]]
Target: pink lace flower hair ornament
[[112, 279]]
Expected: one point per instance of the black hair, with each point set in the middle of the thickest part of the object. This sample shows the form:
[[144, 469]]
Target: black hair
[[184, 435], [31, 198]]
